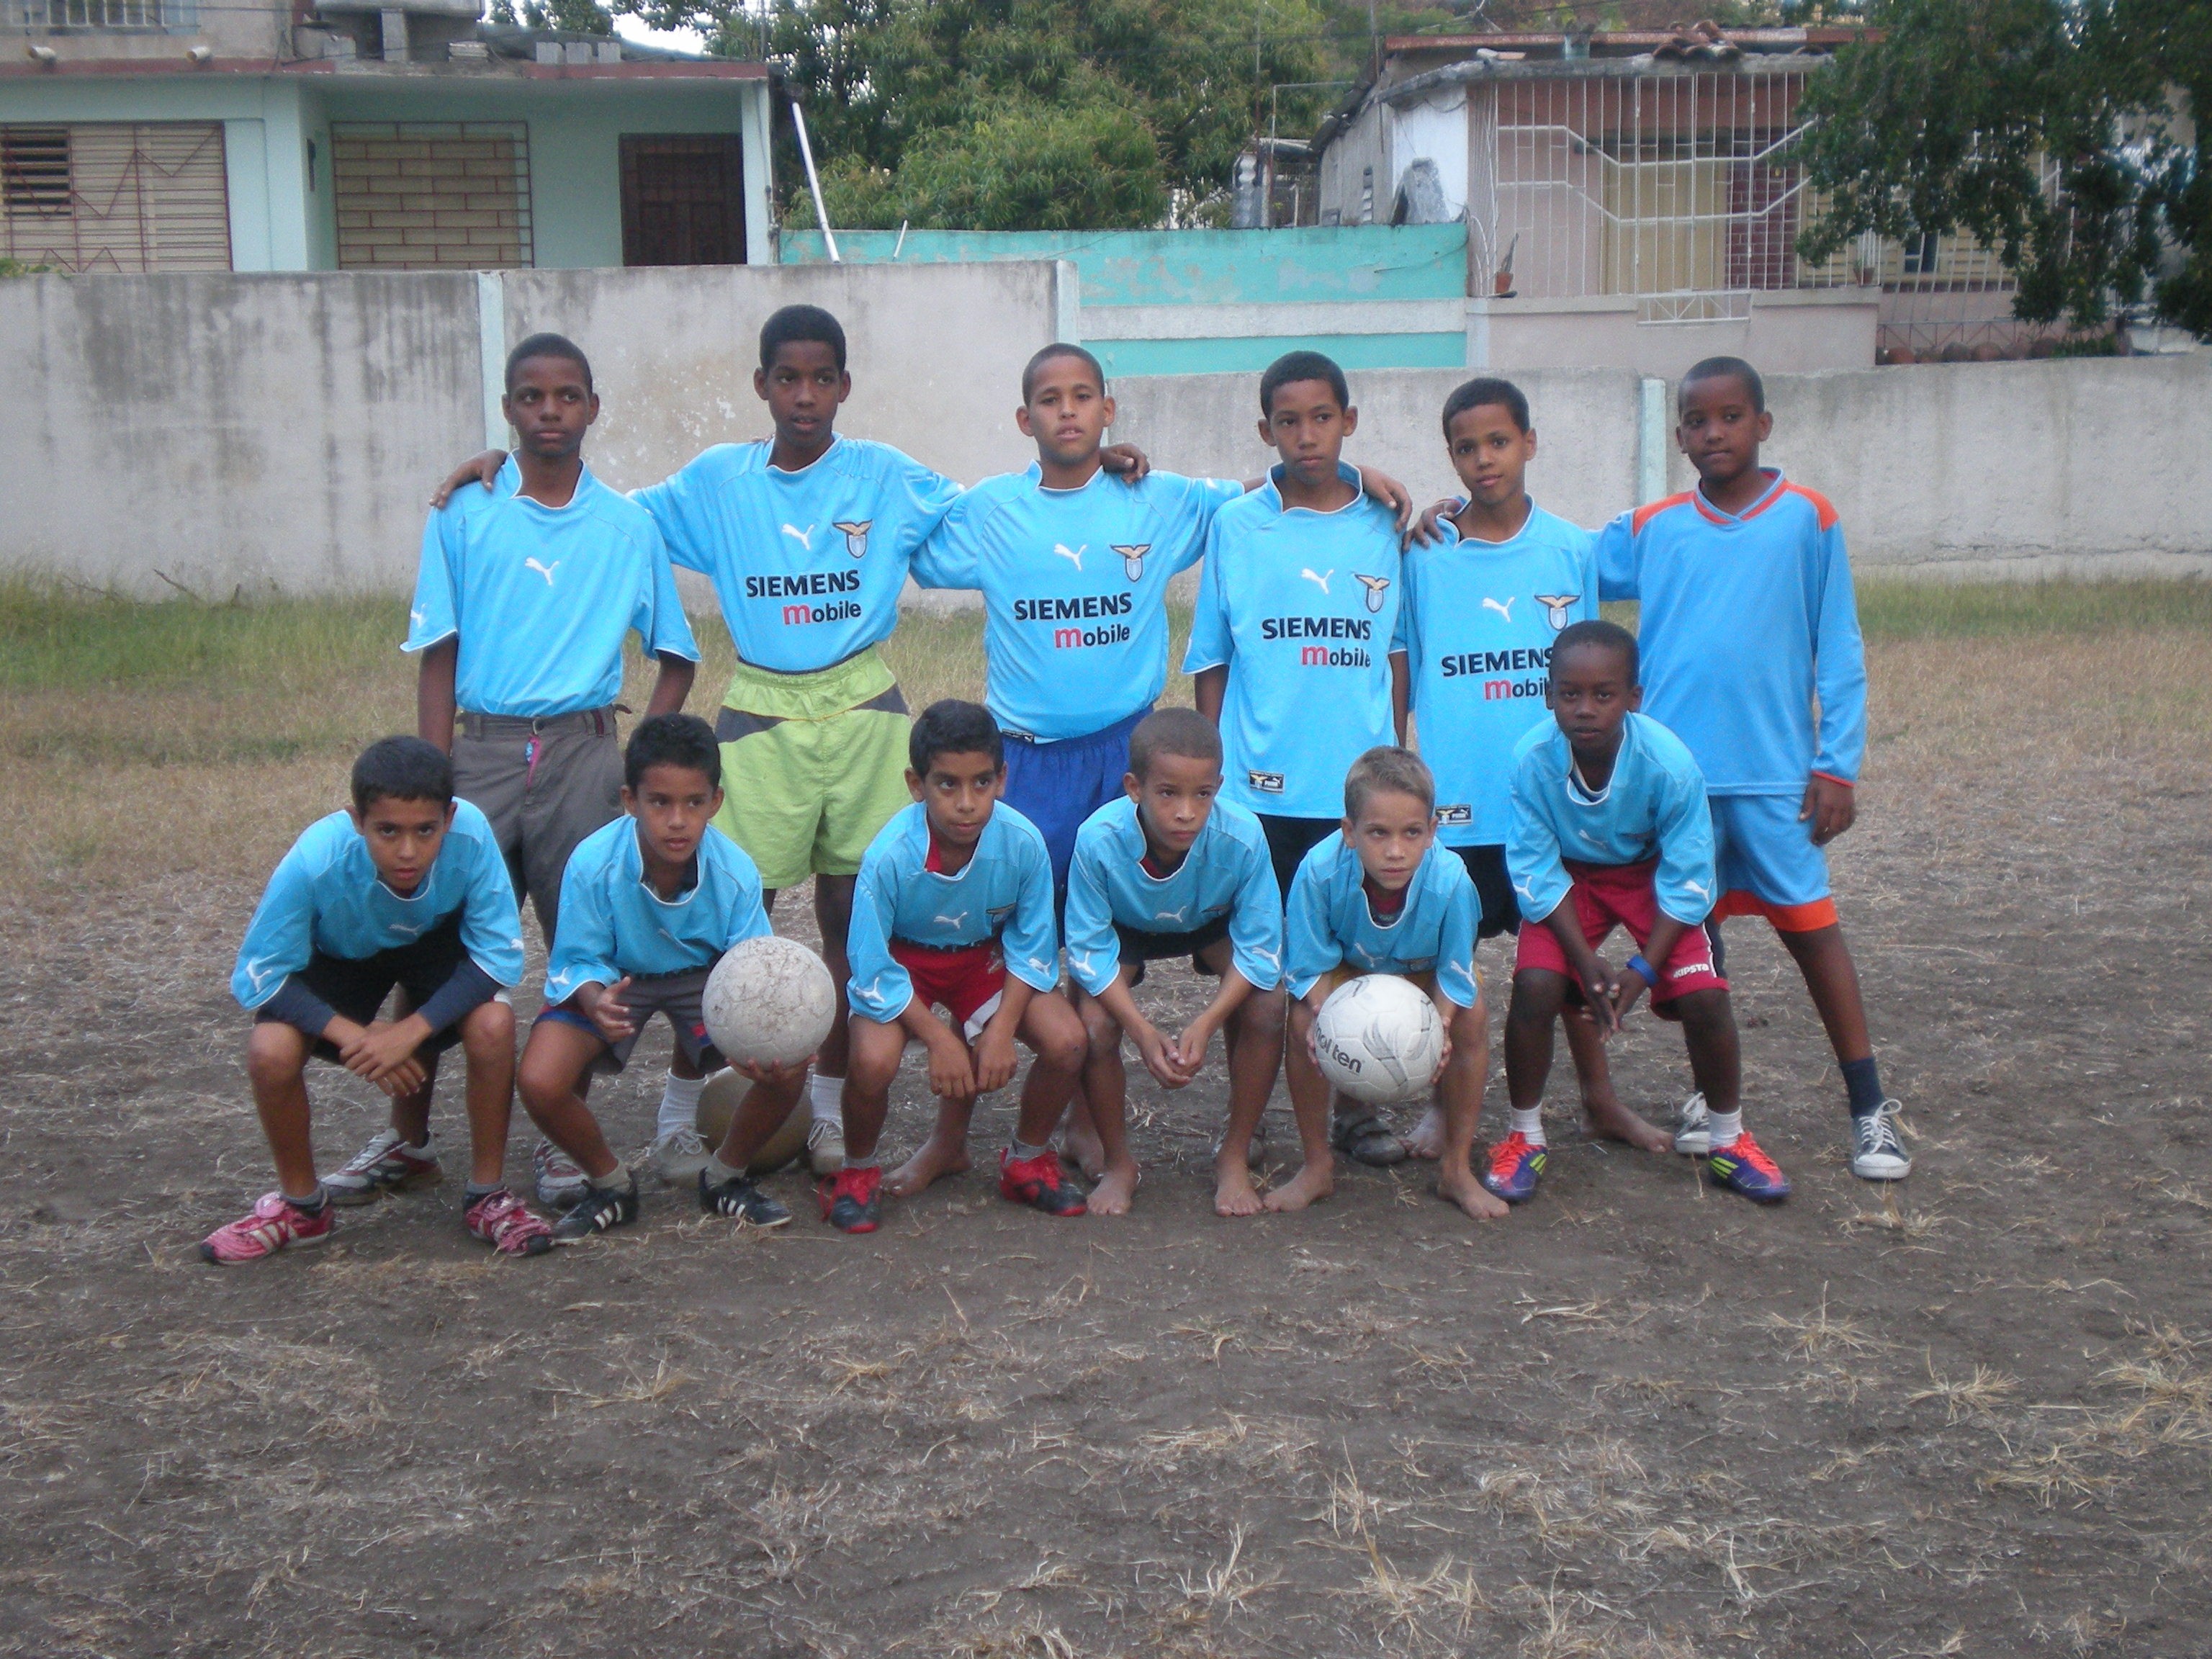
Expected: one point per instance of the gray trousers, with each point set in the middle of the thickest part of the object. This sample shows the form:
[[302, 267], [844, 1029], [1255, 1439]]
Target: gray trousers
[[545, 784]]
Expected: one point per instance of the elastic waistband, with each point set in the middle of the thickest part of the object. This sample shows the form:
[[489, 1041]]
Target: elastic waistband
[[856, 682], [1624, 871], [915, 945], [599, 722]]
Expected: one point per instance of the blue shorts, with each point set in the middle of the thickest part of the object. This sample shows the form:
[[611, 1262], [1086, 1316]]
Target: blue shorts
[[1767, 863], [1055, 785]]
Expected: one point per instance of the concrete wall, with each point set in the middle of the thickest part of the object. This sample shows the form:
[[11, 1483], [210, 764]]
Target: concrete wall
[[1795, 333]]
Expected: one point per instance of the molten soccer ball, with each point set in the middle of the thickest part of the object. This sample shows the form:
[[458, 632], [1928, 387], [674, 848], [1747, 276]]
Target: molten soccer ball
[[1379, 1039], [769, 1001]]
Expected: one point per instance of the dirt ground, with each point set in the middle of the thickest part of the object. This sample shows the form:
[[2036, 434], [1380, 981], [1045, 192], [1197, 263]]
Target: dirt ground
[[1637, 1417]]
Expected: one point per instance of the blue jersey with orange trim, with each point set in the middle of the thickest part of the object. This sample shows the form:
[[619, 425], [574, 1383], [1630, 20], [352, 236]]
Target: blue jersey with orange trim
[[1748, 619], [1330, 923]]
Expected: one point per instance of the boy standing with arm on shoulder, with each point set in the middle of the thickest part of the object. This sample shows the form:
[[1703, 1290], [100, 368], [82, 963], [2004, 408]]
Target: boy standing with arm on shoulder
[[651, 903], [407, 890], [1167, 870], [1378, 896], [954, 909], [1610, 829], [1473, 646], [521, 604], [1748, 621]]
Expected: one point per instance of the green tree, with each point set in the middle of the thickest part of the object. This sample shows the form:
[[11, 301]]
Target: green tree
[[1951, 115]]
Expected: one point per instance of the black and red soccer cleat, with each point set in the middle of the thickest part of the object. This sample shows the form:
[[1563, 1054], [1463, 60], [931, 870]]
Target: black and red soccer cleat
[[850, 1199], [1037, 1182]]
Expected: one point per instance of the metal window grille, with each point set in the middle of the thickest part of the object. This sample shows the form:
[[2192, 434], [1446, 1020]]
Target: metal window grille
[[115, 196], [431, 196], [105, 16]]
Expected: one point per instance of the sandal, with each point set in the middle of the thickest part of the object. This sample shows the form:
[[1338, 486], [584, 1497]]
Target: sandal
[[1362, 1138]]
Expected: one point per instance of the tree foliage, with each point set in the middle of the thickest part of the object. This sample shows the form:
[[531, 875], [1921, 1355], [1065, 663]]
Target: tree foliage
[[1949, 117]]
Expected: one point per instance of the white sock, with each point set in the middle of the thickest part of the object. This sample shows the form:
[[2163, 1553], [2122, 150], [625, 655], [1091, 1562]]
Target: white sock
[[679, 1104], [1529, 1124], [826, 1095], [1727, 1128]]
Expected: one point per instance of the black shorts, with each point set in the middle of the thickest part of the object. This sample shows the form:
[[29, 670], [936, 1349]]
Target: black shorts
[[1140, 946], [1493, 885], [356, 988], [1289, 840]]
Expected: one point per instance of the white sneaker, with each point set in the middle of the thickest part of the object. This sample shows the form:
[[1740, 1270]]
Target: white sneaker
[[1877, 1149], [678, 1156], [825, 1147], [561, 1184], [386, 1164], [1693, 1135]]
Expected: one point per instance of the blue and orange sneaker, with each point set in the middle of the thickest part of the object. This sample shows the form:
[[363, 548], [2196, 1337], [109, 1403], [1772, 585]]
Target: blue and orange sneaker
[[1515, 1163], [849, 1199], [1742, 1167], [1037, 1182]]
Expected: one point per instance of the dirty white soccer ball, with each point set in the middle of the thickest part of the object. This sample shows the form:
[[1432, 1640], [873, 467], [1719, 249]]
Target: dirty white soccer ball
[[1379, 1039], [769, 1001]]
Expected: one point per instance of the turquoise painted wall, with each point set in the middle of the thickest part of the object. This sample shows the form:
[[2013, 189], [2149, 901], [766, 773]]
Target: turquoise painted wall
[[1224, 355]]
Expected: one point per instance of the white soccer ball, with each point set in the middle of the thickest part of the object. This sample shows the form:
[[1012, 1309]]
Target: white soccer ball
[[769, 1001], [1378, 1039]]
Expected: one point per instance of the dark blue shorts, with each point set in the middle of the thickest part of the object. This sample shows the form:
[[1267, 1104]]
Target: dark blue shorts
[[1055, 785]]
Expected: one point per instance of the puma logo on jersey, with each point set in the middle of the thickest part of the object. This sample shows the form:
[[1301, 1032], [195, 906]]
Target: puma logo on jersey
[[415, 619], [1505, 610], [1132, 559], [950, 921], [1072, 554], [1699, 889], [1376, 586], [804, 538], [856, 537], [545, 570], [257, 973], [1555, 607], [1319, 581], [1171, 915]]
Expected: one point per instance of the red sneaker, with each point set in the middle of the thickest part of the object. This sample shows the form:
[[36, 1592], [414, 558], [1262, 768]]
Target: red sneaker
[[274, 1223], [850, 1201], [1036, 1182], [502, 1221]]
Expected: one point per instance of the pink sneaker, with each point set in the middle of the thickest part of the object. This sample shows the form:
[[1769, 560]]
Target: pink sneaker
[[501, 1219], [273, 1225]]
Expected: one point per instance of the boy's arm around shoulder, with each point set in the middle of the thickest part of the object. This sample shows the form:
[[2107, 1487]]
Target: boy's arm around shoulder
[[1615, 558]]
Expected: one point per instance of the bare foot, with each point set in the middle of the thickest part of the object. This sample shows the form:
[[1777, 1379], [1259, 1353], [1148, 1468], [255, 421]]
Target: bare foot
[[1427, 1140], [1309, 1185], [1234, 1194], [1079, 1144], [1471, 1195], [936, 1160], [1609, 1120], [1115, 1189]]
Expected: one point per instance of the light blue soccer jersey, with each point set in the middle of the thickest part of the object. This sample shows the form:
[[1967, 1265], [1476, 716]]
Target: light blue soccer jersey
[[1746, 620], [1330, 923], [1074, 585], [1004, 893], [541, 596], [612, 923], [1652, 807], [1300, 607], [1225, 873], [807, 565], [326, 895], [1477, 626]]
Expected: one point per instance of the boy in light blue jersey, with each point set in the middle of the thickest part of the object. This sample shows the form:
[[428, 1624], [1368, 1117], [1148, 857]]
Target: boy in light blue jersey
[[1610, 829], [1748, 621], [954, 908], [651, 903], [1290, 641], [1166, 871], [1378, 896], [1471, 659], [406, 890], [521, 604]]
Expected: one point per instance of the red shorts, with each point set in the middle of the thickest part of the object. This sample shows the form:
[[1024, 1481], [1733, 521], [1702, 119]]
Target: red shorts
[[1609, 896], [966, 981]]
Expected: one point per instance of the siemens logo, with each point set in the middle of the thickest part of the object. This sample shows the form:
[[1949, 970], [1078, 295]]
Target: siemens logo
[[1089, 607], [1063, 638], [798, 587], [1533, 659], [1342, 656], [799, 615], [1316, 627], [1505, 690]]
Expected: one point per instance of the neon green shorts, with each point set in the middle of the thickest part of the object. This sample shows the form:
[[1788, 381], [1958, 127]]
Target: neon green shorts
[[813, 765]]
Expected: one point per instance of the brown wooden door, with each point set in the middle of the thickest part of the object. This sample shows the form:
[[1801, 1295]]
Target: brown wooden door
[[682, 199]]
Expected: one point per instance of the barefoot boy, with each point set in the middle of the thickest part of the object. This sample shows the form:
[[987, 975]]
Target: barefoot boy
[[1473, 645], [1378, 896], [407, 890], [1290, 641], [1748, 622], [1168, 871], [954, 908], [1610, 829], [650, 904]]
